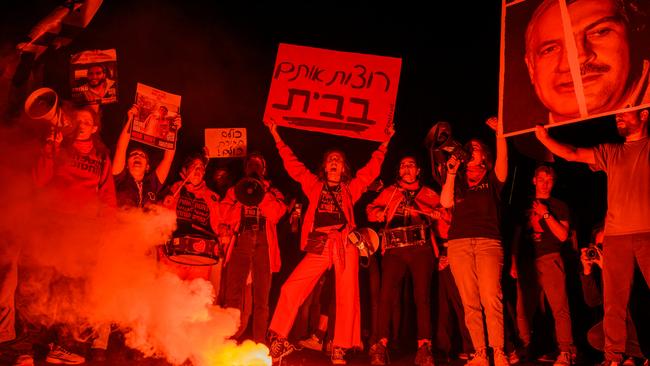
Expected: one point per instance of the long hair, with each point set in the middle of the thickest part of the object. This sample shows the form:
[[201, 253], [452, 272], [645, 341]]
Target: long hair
[[346, 174], [487, 162]]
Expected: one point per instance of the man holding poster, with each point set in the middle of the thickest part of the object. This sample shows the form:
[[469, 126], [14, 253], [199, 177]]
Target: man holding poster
[[601, 70]]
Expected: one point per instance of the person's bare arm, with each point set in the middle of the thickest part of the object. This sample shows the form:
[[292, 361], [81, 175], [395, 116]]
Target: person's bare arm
[[162, 171], [119, 159], [565, 151], [501, 162]]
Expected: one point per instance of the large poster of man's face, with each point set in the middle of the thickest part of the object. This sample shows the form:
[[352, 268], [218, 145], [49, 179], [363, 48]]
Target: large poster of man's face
[[565, 61]]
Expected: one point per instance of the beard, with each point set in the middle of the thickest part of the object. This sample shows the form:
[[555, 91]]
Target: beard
[[623, 131]]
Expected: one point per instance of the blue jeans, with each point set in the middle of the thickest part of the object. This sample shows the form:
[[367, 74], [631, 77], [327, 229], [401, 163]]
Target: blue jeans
[[476, 264]]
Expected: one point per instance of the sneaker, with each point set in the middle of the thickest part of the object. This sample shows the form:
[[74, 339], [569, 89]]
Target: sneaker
[[479, 359], [312, 343], [500, 358], [424, 357], [378, 354], [610, 363], [338, 356], [280, 348], [465, 356], [61, 356], [548, 357], [513, 358], [563, 359], [24, 360], [98, 354]]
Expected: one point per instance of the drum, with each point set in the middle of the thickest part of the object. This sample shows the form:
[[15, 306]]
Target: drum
[[405, 236], [193, 251]]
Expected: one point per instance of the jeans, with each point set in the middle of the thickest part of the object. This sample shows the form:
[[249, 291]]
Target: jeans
[[620, 253], [476, 264], [419, 260], [250, 255], [548, 277]]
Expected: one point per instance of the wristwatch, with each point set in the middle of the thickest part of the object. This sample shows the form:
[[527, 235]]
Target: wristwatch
[[546, 215]]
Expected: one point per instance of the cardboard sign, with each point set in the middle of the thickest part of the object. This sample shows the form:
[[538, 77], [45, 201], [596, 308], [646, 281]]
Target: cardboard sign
[[564, 62], [226, 142], [155, 123], [93, 77], [340, 93]]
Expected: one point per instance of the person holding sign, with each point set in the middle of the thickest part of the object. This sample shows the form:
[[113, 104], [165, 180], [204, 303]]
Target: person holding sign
[[256, 250], [611, 72], [329, 218], [138, 185], [474, 247], [406, 208], [627, 227]]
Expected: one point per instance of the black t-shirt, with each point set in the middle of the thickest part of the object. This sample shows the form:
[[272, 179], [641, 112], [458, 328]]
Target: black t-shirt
[[327, 213], [476, 212], [545, 242], [190, 211], [129, 194], [402, 216], [251, 216]]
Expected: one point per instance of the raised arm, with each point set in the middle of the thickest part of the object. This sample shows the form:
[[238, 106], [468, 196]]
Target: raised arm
[[162, 171], [501, 162], [296, 169], [447, 193], [119, 158], [371, 170], [565, 151]]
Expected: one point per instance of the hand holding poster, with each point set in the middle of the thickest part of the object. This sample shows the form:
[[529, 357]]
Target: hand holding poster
[[568, 61], [226, 142], [94, 77], [155, 124], [340, 93]]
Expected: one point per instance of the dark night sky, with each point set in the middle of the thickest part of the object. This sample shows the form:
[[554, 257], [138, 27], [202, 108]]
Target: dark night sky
[[220, 59]]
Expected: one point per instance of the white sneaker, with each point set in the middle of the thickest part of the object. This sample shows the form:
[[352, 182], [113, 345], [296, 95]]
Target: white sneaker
[[312, 343], [61, 356]]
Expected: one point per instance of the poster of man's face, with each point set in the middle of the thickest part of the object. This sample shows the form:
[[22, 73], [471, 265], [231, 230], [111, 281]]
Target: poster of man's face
[[94, 77], [565, 61]]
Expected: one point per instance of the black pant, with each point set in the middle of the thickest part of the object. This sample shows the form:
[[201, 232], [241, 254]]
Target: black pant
[[450, 311], [251, 254], [419, 260]]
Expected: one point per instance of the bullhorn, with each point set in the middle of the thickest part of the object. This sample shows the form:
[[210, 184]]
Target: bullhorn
[[43, 104], [250, 191]]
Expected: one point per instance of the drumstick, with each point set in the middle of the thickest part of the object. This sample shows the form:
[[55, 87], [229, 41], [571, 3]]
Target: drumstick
[[188, 177], [434, 215]]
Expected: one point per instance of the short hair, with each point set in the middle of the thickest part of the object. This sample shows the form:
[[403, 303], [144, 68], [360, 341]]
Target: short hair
[[193, 157], [255, 155], [138, 148], [630, 12], [104, 68], [548, 170]]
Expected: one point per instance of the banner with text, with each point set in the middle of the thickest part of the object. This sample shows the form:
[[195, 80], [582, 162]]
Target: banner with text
[[340, 93], [155, 123], [226, 142]]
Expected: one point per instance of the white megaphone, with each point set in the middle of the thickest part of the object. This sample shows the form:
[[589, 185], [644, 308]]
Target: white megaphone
[[43, 104]]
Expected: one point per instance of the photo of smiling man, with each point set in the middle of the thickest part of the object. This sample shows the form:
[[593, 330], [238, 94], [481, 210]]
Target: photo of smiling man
[[565, 61]]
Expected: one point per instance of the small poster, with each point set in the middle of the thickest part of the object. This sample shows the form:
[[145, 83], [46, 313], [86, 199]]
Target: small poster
[[226, 142], [155, 123], [93, 77]]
